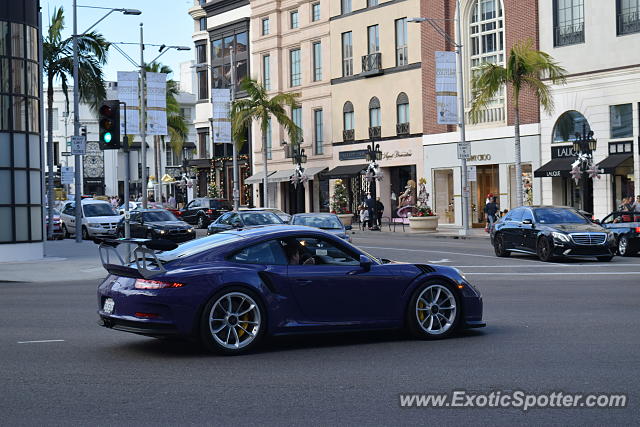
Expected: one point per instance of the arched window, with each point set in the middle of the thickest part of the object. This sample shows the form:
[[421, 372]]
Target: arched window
[[567, 125], [374, 112], [402, 114], [347, 114], [486, 44]]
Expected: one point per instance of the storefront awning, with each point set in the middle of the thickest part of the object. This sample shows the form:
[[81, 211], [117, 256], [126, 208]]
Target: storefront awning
[[313, 171], [610, 164], [199, 163], [345, 171], [281, 176], [190, 145], [257, 177], [556, 167]]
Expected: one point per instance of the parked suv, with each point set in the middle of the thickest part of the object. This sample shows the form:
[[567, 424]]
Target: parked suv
[[99, 218], [204, 210]]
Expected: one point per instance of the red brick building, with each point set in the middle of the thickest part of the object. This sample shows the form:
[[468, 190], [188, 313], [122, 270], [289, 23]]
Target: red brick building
[[489, 29]]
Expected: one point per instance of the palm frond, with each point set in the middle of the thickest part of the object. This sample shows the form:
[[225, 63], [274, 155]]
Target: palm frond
[[485, 85]]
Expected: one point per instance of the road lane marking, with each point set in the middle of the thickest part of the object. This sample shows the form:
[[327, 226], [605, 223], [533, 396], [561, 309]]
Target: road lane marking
[[39, 341], [594, 265], [437, 252], [565, 273]]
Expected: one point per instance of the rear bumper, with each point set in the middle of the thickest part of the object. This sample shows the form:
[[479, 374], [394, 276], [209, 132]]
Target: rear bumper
[[151, 329], [470, 324]]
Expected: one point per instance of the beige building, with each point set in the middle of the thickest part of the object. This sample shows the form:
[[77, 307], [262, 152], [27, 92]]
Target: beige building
[[376, 89], [290, 50]]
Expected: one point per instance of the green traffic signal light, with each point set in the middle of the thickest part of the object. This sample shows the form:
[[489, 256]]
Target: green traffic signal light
[[107, 137]]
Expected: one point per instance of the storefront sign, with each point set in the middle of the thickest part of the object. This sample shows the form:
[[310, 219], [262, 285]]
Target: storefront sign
[[480, 157], [396, 154], [563, 151], [352, 155], [446, 88]]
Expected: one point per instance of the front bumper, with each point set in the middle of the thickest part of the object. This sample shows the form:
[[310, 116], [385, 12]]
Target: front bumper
[[572, 250]]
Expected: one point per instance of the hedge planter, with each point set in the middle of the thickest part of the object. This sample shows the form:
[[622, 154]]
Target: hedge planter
[[346, 219], [423, 223]]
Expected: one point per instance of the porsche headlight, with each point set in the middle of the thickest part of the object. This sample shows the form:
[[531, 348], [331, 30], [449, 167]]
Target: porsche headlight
[[560, 236]]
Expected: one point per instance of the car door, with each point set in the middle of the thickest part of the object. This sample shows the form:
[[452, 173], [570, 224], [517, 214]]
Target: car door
[[528, 230], [336, 289], [69, 217], [190, 210], [512, 232], [135, 226], [221, 224]]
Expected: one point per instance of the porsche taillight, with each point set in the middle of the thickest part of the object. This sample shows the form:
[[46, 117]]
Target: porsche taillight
[[637, 229], [155, 284]]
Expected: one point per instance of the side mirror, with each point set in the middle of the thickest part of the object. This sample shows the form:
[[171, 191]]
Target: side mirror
[[595, 221], [527, 222], [236, 224], [348, 227], [365, 262]]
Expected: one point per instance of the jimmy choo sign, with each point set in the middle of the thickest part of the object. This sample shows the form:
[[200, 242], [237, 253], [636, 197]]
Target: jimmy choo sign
[[480, 158]]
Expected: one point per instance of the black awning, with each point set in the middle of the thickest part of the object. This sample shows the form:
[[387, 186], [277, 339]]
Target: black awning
[[610, 164], [556, 167], [199, 163], [345, 171], [188, 144]]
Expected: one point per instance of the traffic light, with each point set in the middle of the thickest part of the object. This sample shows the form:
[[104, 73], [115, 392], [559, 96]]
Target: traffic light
[[83, 132], [109, 124]]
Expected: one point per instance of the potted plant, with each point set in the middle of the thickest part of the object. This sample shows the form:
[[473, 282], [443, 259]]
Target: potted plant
[[340, 203]]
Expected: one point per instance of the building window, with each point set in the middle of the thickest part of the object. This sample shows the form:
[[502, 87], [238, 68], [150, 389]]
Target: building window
[[268, 140], [315, 12], [266, 72], [568, 19], [265, 26], [221, 57], [202, 24], [319, 131], [348, 122], [203, 144], [347, 54], [401, 42], [373, 39], [293, 19], [201, 54], [568, 124], [202, 85], [296, 117], [628, 16], [374, 112], [345, 6], [371, 3], [402, 114], [317, 61], [294, 65], [621, 121]]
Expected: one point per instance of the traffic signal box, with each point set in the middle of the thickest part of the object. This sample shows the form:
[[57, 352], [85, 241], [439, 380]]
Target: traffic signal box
[[109, 124]]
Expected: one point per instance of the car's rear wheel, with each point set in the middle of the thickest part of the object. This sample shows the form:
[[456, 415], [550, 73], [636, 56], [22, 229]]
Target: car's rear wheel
[[543, 249], [434, 311], [498, 246], [85, 233], [233, 322]]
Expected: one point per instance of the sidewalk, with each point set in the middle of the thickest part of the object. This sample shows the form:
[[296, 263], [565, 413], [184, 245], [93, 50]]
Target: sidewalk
[[64, 260]]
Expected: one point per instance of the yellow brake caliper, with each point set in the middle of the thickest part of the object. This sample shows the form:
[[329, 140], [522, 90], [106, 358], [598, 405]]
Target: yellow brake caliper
[[421, 313], [244, 326]]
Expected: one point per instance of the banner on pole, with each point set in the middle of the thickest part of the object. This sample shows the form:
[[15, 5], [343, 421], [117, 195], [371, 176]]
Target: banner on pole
[[128, 93], [157, 104], [446, 88], [220, 122]]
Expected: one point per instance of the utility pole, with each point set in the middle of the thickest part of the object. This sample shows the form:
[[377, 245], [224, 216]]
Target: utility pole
[[76, 125], [143, 119], [461, 122], [234, 149]]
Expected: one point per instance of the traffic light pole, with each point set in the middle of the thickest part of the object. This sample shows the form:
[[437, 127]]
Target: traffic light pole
[[127, 175], [76, 127]]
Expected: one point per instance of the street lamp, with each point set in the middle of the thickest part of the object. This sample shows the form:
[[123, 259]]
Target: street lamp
[[462, 145], [584, 145], [373, 155], [76, 104]]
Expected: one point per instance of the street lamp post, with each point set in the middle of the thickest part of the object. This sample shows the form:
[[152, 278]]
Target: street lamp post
[[461, 116], [585, 145], [373, 154], [299, 158]]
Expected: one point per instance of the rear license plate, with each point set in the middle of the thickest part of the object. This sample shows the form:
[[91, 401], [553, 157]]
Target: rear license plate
[[108, 306]]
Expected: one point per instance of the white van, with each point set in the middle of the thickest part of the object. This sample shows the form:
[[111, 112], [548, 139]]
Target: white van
[[99, 219]]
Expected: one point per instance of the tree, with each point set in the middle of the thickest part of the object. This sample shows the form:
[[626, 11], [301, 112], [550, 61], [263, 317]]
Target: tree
[[526, 68], [58, 65], [340, 199], [258, 106]]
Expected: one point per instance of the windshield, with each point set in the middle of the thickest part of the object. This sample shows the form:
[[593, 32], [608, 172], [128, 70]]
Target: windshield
[[99, 209], [158, 216], [219, 204], [325, 222], [197, 246], [260, 218], [558, 216]]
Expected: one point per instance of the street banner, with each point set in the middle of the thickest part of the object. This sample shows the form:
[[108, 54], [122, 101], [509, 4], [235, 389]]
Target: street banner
[[446, 88], [128, 93], [157, 104], [220, 122]]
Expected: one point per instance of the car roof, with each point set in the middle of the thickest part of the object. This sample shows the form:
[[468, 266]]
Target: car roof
[[274, 230], [315, 214]]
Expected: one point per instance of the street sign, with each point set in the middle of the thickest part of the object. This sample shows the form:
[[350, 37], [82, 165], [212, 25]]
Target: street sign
[[66, 154], [466, 192], [472, 173], [66, 175], [464, 150], [78, 145]]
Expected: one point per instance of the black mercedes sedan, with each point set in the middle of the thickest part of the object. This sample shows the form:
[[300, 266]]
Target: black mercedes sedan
[[157, 224], [550, 232]]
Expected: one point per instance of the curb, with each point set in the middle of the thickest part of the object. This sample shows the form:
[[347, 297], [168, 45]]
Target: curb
[[418, 234]]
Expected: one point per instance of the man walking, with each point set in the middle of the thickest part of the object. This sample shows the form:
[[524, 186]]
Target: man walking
[[490, 210]]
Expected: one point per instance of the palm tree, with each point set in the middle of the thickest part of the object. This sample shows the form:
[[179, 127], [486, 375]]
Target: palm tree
[[176, 124], [526, 68], [58, 65], [258, 106]]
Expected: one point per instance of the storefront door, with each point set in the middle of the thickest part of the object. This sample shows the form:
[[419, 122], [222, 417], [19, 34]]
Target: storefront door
[[487, 182]]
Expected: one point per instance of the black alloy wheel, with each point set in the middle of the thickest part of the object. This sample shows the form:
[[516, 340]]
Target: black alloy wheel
[[498, 246], [543, 249]]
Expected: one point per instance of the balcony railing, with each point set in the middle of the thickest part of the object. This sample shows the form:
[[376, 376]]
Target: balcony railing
[[488, 115], [569, 34], [348, 135], [402, 128], [628, 23], [372, 64], [375, 132]]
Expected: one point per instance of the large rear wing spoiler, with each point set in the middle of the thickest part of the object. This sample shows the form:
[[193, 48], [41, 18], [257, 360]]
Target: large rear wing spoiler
[[143, 256]]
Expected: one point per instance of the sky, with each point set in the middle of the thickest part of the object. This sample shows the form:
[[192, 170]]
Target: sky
[[165, 22]]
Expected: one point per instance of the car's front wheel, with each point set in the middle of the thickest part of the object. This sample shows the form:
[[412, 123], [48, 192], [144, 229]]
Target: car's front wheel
[[498, 246], [434, 311], [543, 250], [201, 221], [233, 322], [625, 247], [85, 233]]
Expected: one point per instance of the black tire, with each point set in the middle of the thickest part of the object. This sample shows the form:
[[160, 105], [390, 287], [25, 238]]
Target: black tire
[[65, 232], [543, 250], [85, 233], [498, 246], [419, 314], [605, 258], [201, 222], [207, 334], [626, 247]]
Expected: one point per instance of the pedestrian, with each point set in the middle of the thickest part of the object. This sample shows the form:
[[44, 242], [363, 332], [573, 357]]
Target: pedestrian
[[490, 210], [371, 208], [364, 216], [636, 205], [379, 211], [172, 202]]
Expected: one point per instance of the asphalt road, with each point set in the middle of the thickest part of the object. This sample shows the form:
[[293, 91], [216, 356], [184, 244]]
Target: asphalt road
[[567, 326]]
